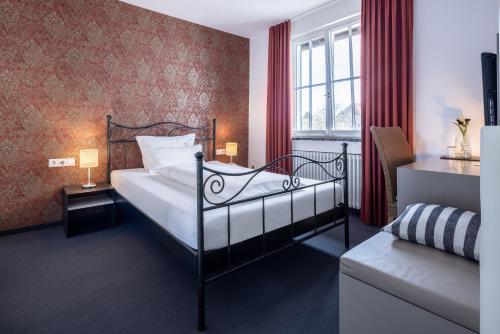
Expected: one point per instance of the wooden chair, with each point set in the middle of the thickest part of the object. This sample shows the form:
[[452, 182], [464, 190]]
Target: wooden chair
[[394, 151]]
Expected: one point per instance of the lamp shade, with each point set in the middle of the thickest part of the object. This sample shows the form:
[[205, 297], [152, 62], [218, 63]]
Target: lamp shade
[[231, 149], [89, 158]]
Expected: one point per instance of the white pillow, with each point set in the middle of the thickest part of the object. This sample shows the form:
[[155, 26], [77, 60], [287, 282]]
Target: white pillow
[[154, 142], [170, 156]]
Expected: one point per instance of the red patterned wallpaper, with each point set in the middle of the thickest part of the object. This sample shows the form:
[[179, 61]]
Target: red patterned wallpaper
[[65, 65]]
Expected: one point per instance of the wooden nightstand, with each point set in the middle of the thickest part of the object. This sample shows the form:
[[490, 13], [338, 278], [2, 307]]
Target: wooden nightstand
[[86, 210]]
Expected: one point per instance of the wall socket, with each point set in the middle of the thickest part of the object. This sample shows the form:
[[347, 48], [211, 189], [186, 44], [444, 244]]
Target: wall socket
[[220, 151], [64, 162]]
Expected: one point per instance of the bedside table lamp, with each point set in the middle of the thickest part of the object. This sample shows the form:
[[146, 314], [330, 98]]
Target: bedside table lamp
[[231, 151], [88, 159]]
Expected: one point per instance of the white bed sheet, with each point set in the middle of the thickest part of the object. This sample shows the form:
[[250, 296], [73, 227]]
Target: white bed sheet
[[173, 206]]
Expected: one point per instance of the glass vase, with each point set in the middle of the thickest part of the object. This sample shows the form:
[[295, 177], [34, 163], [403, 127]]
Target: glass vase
[[465, 149]]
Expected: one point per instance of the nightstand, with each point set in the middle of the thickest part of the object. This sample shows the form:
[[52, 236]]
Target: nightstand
[[86, 210]]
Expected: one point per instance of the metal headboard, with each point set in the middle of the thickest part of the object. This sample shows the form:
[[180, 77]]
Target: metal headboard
[[204, 135]]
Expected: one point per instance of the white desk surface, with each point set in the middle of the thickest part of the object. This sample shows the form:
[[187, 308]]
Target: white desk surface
[[460, 167]]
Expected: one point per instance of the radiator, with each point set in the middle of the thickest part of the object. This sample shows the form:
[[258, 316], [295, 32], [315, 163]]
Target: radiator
[[314, 172]]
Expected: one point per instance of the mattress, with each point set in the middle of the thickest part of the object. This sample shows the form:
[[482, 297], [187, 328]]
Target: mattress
[[173, 206]]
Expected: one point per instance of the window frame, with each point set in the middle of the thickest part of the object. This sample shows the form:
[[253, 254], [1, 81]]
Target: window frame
[[310, 84], [325, 33]]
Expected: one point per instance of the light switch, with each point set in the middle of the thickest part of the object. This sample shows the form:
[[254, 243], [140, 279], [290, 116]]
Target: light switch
[[64, 162], [220, 151]]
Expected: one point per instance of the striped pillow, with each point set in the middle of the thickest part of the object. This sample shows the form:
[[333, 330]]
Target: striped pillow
[[451, 230]]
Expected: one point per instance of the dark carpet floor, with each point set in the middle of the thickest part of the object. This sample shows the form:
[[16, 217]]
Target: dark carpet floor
[[125, 280]]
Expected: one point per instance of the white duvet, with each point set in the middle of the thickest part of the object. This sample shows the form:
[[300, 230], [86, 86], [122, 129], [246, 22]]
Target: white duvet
[[235, 187]]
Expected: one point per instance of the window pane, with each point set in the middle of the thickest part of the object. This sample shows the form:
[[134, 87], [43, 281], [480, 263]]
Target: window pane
[[318, 61], [303, 113], [297, 125], [356, 49], [298, 62], [302, 65], [319, 108], [341, 62], [357, 104], [343, 107]]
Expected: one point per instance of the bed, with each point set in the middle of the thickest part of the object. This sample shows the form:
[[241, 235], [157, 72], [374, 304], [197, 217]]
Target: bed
[[226, 216]]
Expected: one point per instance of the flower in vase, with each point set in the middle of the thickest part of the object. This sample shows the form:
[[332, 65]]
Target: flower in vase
[[463, 124]]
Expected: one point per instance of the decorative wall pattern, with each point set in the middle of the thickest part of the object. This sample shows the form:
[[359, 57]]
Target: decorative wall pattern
[[65, 65]]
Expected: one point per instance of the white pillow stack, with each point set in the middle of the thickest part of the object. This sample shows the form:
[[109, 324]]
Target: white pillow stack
[[159, 152], [171, 156]]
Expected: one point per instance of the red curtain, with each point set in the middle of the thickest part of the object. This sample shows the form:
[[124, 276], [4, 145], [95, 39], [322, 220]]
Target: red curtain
[[279, 113], [386, 90]]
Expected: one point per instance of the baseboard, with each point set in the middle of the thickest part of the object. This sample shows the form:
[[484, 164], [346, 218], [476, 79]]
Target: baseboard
[[355, 212], [29, 228]]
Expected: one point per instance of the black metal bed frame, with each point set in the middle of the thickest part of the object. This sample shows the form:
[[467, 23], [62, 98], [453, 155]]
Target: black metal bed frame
[[211, 265]]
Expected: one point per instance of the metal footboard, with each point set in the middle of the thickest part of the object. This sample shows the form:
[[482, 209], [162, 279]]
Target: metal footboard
[[298, 231]]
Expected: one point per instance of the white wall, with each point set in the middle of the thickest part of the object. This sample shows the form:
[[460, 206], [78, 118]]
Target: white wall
[[324, 15], [449, 36], [490, 230], [258, 98]]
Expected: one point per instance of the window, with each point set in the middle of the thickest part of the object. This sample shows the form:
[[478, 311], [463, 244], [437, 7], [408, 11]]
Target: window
[[327, 81]]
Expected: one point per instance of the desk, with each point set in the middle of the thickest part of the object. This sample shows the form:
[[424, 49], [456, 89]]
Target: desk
[[435, 181]]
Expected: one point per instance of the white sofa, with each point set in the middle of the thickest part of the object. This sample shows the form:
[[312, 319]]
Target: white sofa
[[392, 286]]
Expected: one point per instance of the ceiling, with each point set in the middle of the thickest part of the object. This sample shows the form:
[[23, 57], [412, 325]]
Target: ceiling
[[239, 17]]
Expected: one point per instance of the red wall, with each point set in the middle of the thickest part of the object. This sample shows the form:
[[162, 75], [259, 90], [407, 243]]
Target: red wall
[[65, 65]]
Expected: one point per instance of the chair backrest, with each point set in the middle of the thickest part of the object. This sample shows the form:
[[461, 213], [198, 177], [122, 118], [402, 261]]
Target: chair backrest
[[394, 151]]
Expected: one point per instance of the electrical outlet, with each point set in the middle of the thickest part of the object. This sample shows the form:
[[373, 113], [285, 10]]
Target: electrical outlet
[[64, 162], [220, 151]]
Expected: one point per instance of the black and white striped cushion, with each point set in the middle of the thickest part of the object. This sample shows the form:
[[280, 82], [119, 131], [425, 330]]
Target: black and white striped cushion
[[449, 229]]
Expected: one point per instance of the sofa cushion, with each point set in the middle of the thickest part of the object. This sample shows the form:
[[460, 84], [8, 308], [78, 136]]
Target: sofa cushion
[[449, 229], [444, 284]]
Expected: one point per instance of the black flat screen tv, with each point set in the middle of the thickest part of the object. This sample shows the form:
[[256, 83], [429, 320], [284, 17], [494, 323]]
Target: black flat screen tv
[[489, 70]]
